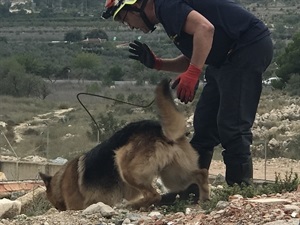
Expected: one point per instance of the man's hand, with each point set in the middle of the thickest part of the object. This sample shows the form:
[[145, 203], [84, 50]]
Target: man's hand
[[187, 83], [141, 52]]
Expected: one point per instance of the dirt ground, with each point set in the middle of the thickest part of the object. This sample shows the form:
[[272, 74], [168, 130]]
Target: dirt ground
[[263, 169], [237, 211]]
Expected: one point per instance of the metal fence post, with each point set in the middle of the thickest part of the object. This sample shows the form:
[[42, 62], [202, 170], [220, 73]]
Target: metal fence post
[[266, 148]]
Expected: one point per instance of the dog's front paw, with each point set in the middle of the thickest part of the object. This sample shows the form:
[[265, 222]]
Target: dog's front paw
[[204, 198], [135, 206], [122, 204]]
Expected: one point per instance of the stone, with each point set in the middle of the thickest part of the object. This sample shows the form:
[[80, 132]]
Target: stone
[[270, 200], [9, 209]]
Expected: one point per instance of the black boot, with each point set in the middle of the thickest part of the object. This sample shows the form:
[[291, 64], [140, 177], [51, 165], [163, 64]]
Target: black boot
[[192, 192], [205, 159], [239, 173]]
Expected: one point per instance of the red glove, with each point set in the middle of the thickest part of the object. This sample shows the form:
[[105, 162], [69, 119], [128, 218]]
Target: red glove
[[187, 83]]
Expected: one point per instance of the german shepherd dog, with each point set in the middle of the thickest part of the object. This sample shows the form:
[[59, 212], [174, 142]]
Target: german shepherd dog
[[125, 165]]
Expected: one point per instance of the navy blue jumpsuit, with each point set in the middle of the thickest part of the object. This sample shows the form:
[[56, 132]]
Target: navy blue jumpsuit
[[241, 51]]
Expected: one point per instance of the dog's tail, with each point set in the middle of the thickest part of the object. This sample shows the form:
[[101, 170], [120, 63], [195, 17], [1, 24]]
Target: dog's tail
[[172, 121]]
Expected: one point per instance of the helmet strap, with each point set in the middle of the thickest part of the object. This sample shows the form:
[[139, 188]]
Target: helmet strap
[[145, 18], [143, 15]]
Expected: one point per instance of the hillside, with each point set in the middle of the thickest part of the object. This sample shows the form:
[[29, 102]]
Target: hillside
[[59, 126]]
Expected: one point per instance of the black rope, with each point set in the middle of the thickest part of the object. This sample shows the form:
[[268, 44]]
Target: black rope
[[105, 97]]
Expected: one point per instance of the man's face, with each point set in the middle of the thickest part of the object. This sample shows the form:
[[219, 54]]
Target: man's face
[[132, 19]]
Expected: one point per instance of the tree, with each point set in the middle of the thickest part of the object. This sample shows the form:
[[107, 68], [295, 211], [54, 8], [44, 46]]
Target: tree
[[293, 85], [31, 85], [107, 124], [74, 3], [4, 9], [44, 90], [85, 62], [86, 4], [49, 71], [46, 13], [31, 63], [73, 36], [16, 82], [21, 84], [288, 61], [3, 39], [39, 3], [115, 73], [96, 33], [8, 65]]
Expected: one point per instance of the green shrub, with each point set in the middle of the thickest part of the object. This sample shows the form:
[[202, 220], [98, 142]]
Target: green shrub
[[3, 39], [93, 88], [63, 106], [293, 85], [136, 99], [107, 124], [73, 36], [96, 33], [177, 206], [278, 84], [39, 206], [293, 148], [289, 183], [224, 194]]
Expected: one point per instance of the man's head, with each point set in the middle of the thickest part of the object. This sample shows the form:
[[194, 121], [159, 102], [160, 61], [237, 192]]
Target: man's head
[[113, 7], [53, 191], [129, 12]]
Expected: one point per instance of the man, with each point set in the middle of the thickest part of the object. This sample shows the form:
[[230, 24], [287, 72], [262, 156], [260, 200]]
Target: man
[[236, 47]]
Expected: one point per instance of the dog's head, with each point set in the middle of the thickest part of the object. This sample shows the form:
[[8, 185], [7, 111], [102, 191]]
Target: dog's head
[[53, 191]]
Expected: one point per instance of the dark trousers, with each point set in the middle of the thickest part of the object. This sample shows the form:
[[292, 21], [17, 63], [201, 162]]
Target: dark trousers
[[227, 106]]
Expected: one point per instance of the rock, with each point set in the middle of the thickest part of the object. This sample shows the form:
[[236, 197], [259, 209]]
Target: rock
[[9, 209], [284, 222], [222, 205], [2, 176], [105, 210], [291, 208], [126, 221], [133, 216], [270, 200], [34, 158], [155, 214], [220, 179], [58, 160]]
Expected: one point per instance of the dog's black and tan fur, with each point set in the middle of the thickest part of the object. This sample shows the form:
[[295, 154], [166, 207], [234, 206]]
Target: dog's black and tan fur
[[125, 165]]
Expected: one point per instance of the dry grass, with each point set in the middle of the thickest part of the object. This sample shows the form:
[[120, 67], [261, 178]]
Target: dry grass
[[20, 109], [68, 138], [65, 137]]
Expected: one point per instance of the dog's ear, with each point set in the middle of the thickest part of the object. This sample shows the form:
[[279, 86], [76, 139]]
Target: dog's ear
[[46, 178]]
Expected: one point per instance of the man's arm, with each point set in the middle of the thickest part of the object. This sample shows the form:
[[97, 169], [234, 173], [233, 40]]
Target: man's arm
[[178, 64], [202, 31]]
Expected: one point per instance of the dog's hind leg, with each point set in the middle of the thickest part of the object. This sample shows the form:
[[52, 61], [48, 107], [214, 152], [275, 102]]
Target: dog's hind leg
[[144, 186], [138, 165], [202, 181], [150, 196]]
